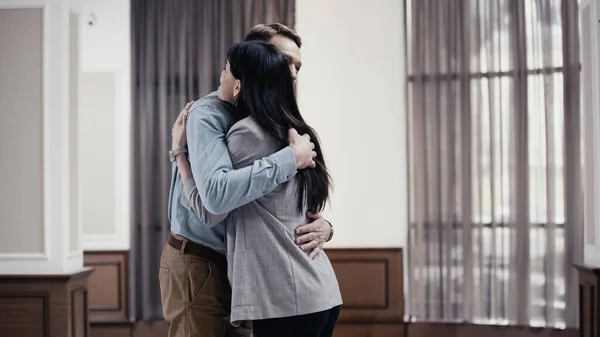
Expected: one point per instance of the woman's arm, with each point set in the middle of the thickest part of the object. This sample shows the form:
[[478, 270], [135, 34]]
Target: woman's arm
[[190, 198]]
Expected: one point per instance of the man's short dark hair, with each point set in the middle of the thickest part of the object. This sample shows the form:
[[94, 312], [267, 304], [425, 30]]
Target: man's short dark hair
[[262, 32]]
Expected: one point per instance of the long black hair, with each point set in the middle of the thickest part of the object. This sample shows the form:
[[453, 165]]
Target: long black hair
[[267, 94]]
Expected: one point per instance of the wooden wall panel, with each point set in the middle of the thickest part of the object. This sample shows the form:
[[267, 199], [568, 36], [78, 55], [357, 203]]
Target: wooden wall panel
[[373, 286], [79, 313], [44, 305], [24, 314], [589, 301], [108, 286], [371, 283]]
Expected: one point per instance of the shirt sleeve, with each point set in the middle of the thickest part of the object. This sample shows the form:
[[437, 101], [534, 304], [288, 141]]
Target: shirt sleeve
[[222, 188]]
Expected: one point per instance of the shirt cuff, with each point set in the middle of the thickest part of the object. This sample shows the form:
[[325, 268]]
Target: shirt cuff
[[286, 162]]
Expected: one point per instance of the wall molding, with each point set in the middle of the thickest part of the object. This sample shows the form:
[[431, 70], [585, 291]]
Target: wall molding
[[121, 205], [10, 262], [107, 242], [23, 256]]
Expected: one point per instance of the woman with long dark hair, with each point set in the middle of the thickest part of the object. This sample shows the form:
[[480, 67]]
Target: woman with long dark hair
[[274, 284]]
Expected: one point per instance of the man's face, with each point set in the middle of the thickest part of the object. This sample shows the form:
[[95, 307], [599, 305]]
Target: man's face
[[291, 52]]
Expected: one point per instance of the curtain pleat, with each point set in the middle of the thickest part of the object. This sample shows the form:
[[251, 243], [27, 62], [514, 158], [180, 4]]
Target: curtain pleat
[[495, 161]]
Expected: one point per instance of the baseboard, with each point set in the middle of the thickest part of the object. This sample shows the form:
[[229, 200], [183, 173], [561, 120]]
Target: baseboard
[[426, 329], [116, 330], [345, 329], [369, 329]]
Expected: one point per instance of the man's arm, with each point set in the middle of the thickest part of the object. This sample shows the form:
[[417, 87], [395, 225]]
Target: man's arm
[[222, 188], [242, 142]]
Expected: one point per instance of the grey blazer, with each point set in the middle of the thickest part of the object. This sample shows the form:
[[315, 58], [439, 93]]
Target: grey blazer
[[270, 276]]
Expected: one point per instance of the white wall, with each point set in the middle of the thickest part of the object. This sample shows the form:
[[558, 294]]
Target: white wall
[[590, 36], [105, 156], [351, 89]]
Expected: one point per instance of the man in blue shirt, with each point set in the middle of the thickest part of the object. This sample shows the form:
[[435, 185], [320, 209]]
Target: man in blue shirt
[[195, 291]]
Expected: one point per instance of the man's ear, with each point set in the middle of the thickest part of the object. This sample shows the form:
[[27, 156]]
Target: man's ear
[[237, 88]]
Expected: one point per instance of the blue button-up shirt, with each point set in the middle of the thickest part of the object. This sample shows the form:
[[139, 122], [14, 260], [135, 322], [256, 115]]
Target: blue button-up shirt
[[222, 189]]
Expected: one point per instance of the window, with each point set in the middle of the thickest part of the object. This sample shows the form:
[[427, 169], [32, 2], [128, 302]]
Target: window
[[487, 117]]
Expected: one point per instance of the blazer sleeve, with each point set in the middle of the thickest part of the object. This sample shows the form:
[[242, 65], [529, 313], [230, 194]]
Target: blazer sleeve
[[245, 142], [190, 199]]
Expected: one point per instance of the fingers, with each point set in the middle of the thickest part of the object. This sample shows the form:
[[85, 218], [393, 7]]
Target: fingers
[[303, 239], [306, 229], [188, 105], [303, 149], [313, 163], [182, 117], [292, 133], [179, 117], [315, 252], [308, 246], [315, 226]]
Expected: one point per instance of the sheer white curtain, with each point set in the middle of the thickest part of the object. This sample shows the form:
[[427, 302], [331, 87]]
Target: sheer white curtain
[[496, 195]]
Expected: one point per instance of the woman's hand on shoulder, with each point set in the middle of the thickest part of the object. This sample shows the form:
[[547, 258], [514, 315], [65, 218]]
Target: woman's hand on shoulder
[[178, 131]]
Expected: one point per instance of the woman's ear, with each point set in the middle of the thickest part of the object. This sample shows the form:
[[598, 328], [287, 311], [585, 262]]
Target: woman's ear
[[237, 88]]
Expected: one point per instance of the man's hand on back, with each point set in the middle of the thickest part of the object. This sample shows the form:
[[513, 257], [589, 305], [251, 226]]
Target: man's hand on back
[[313, 235], [302, 148]]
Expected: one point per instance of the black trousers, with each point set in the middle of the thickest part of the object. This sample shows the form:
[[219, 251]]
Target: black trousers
[[319, 324]]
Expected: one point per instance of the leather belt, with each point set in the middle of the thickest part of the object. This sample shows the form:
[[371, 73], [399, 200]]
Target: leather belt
[[196, 249]]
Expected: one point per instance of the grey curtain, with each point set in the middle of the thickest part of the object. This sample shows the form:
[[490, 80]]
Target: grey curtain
[[495, 161], [179, 48]]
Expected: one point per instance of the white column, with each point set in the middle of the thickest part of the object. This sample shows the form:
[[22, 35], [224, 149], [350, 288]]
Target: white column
[[39, 62], [590, 43]]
